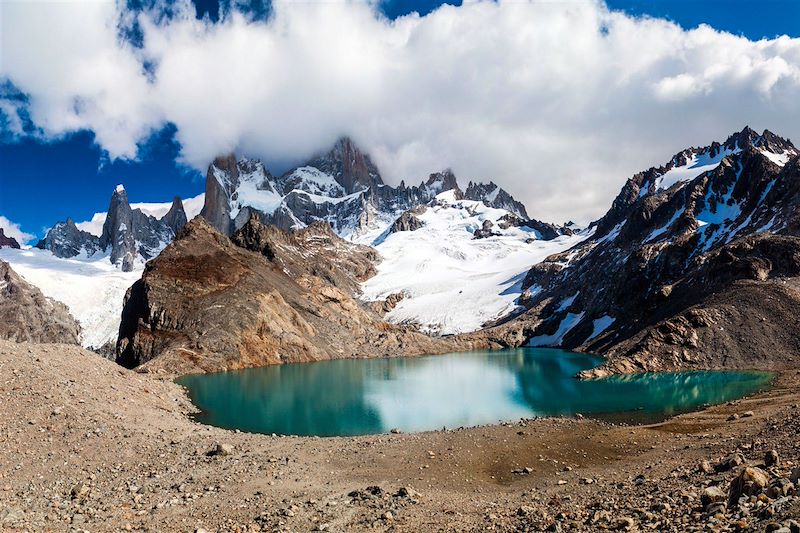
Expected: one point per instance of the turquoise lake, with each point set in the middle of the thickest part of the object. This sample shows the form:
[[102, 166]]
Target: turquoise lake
[[365, 396]]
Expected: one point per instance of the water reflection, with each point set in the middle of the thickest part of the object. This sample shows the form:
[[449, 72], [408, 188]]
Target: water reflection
[[352, 397]]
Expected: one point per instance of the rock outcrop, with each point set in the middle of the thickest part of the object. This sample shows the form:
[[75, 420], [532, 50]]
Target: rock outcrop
[[26, 315], [494, 196], [9, 242], [408, 221], [206, 304]]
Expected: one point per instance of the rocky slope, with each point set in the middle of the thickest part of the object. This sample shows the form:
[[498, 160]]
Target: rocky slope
[[26, 315], [206, 304], [130, 236], [677, 272]]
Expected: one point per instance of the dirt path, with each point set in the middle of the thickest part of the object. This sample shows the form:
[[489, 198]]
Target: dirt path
[[87, 445]]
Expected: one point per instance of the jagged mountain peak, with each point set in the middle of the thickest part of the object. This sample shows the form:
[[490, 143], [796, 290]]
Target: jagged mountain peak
[[176, 217], [495, 196], [693, 163], [130, 236], [444, 180], [351, 167], [765, 141], [654, 246]]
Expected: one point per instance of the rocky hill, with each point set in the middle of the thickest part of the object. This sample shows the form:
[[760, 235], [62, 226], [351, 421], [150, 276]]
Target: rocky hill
[[207, 304], [694, 265], [26, 315]]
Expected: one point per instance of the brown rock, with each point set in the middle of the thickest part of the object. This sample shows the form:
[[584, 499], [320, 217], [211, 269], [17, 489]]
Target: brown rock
[[26, 315], [205, 304], [750, 482], [771, 458]]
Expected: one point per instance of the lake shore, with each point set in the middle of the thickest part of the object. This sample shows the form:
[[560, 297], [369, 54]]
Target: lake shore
[[88, 445]]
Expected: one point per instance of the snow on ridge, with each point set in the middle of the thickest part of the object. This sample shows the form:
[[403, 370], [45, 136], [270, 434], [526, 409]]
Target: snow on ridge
[[695, 166], [453, 283], [492, 196], [778, 159]]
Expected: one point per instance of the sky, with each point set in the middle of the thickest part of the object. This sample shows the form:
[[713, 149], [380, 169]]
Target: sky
[[558, 101]]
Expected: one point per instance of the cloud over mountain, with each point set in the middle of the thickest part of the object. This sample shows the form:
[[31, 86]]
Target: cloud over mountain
[[12, 229], [558, 102]]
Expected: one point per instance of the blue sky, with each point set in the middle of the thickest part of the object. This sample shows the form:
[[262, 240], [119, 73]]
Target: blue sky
[[42, 182]]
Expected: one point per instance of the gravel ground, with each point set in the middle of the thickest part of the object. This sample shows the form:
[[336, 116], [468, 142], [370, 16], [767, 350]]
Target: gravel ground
[[89, 446]]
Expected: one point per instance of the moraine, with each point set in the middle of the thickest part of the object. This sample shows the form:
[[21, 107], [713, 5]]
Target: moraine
[[368, 396]]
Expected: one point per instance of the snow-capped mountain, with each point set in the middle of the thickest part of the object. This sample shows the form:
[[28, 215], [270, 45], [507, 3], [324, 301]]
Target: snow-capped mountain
[[130, 236], [342, 187], [674, 236]]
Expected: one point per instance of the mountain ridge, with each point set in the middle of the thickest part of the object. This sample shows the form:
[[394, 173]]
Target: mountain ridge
[[661, 257]]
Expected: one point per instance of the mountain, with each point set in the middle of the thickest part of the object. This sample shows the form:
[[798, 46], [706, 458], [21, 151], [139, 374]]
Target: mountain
[[265, 296], [129, 236], [342, 187], [9, 242], [26, 315], [676, 273]]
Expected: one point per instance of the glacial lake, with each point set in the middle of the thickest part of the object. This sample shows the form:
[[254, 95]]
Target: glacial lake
[[367, 396]]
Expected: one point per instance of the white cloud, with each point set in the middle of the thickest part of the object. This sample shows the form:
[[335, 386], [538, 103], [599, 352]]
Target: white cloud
[[12, 229], [559, 102]]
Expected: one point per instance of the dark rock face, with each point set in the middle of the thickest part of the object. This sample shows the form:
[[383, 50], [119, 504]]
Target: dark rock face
[[9, 242], [117, 233], [349, 166], [130, 235], [664, 265], [484, 231], [222, 179], [176, 216], [544, 230], [66, 240], [206, 304], [26, 315], [494, 196], [408, 221]]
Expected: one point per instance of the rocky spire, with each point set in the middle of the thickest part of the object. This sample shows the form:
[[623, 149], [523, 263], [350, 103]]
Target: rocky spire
[[222, 179], [117, 230], [176, 216]]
